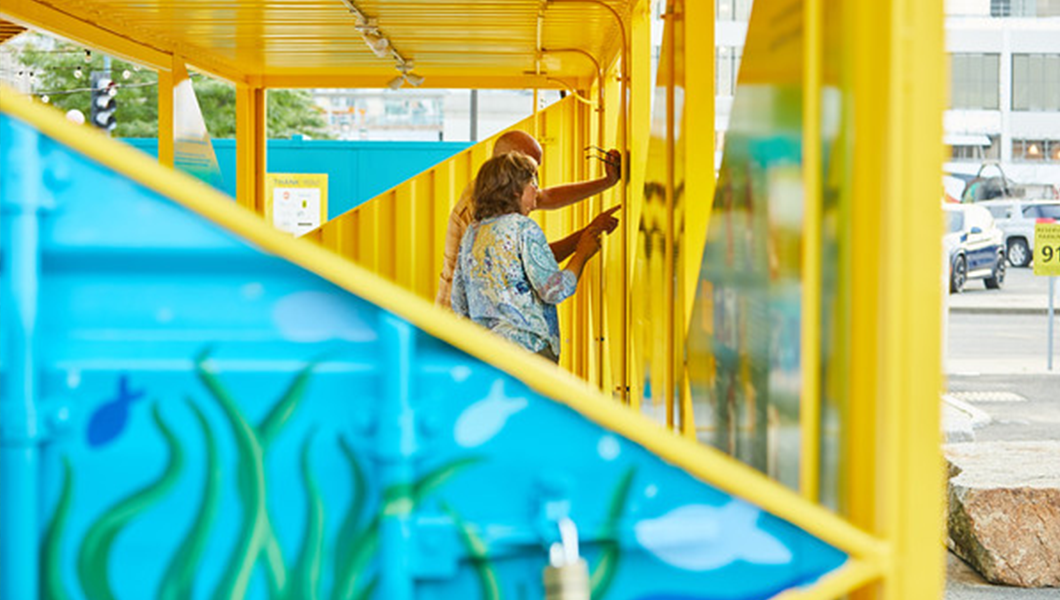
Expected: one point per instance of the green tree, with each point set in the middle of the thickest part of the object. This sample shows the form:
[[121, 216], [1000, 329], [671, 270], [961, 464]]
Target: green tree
[[56, 64]]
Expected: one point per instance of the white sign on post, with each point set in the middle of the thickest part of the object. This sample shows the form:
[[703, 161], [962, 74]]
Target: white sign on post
[[296, 203]]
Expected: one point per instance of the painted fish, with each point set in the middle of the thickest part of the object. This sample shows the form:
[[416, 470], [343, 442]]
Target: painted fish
[[109, 419]]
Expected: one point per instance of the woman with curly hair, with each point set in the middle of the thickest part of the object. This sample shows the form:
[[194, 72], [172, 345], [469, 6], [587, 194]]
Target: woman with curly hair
[[507, 277]]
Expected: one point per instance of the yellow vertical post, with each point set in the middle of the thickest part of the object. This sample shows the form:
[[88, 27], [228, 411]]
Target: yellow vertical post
[[810, 398], [166, 83], [895, 477], [911, 294], [698, 137], [251, 147]]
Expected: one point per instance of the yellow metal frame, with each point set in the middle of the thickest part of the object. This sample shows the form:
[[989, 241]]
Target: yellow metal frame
[[891, 474], [870, 556]]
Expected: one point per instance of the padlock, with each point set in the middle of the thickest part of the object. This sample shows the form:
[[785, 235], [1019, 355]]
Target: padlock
[[567, 575]]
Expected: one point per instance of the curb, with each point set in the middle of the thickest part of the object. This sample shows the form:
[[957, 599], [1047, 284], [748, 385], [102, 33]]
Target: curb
[[1000, 310], [978, 416]]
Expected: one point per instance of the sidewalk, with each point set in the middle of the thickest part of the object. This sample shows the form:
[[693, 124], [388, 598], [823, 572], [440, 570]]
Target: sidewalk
[[1023, 293]]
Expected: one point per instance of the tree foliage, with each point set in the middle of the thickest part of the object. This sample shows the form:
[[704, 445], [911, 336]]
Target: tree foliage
[[55, 66]]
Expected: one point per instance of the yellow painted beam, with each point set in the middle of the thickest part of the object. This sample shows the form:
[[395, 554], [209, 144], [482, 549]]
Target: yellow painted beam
[[251, 146], [105, 32], [850, 577], [45, 17], [375, 78], [810, 390], [166, 82], [698, 155]]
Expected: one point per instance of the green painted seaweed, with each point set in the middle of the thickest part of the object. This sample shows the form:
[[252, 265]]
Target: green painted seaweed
[[51, 580], [283, 410], [397, 500], [477, 551], [179, 579], [251, 482], [94, 555], [348, 530], [603, 574], [307, 571]]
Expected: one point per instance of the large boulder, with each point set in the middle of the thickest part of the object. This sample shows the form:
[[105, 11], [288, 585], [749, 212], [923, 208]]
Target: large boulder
[[1004, 510]]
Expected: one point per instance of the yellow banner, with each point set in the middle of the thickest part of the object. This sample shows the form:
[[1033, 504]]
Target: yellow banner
[[1047, 249]]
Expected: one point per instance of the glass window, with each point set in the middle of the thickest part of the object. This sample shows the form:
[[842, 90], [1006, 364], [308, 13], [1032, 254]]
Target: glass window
[[1036, 82], [732, 10], [998, 212], [1036, 150], [726, 69], [975, 79], [954, 220], [1042, 211], [1024, 8], [978, 153]]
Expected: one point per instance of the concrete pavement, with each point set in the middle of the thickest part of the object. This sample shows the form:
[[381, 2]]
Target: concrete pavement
[[1000, 390]]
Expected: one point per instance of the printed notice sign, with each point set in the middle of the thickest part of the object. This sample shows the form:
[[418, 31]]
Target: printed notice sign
[[1047, 249], [295, 202]]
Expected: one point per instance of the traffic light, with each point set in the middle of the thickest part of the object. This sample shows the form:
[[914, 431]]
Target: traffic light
[[104, 103]]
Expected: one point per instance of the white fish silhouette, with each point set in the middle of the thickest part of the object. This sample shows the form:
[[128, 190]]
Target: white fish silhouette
[[698, 537], [481, 421]]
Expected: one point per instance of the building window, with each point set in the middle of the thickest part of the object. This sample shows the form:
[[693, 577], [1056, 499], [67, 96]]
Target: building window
[[1036, 82], [732, 10], [975, 81], [1036, 151], [726, 69], [976, 151], [1025, 8]]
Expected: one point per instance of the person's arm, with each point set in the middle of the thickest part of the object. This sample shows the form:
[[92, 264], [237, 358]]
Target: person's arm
[[559, 196], [552, 284], [458, 298], [603, 223], [588, 246], [459, 219]]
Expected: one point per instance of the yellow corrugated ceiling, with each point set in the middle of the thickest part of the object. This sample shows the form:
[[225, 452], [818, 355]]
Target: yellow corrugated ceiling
[[451, 41]]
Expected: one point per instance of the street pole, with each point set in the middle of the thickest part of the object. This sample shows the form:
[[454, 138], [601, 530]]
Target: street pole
[[1052, 297]]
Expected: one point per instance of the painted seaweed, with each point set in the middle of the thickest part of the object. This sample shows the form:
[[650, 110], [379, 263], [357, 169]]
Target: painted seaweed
[[179, 578], [94, 556], [51, 584], [489, 586], [307, 569], [603, 574]]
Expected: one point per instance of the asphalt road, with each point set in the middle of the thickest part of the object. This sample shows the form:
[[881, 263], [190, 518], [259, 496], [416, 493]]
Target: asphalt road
[[996, 361]]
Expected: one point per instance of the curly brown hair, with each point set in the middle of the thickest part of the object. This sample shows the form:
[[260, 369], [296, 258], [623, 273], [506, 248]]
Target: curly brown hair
[[500, 183]]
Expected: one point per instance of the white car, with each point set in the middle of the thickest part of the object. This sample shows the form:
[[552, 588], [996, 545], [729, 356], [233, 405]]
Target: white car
[[1016, 218], [974, 247]]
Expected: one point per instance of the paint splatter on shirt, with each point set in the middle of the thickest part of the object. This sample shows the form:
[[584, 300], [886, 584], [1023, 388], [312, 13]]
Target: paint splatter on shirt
[[508, 281]]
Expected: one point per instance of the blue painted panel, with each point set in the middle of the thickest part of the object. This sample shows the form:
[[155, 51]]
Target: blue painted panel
[[227, 425], [357, 171]]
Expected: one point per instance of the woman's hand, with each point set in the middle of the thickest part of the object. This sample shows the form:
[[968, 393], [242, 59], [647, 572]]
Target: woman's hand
[[604, 222], [588, 244]]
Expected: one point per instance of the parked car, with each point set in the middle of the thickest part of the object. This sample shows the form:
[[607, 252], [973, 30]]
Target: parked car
[[1016, 217], [975, 247]]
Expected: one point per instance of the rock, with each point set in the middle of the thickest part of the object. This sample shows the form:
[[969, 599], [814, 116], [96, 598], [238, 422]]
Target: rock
[[1004, 510]]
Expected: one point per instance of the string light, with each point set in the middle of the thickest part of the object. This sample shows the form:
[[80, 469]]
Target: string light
[[126, 74], [45, 99], [88, 56], [78, 74]]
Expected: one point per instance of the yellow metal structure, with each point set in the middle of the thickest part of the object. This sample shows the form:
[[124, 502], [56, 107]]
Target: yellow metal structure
[[870, 323]]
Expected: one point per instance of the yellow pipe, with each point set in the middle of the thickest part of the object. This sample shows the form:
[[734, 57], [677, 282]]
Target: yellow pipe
[[810, 396], [628, 230]]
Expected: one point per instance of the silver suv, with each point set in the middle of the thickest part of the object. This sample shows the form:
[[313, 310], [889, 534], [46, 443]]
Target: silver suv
[[1016, 217]]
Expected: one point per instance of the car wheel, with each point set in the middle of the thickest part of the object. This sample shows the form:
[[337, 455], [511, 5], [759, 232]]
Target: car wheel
[[998, 279], [958, 276], [1018, 252]]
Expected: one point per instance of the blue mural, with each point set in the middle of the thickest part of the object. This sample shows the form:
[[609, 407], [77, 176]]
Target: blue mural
[[236, 428]]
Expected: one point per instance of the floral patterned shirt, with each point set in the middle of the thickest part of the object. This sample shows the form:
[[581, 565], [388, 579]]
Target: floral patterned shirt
[[508, 281]]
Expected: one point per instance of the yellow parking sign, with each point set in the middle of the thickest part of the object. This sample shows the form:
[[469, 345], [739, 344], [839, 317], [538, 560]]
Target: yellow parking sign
[[1047, 249]]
